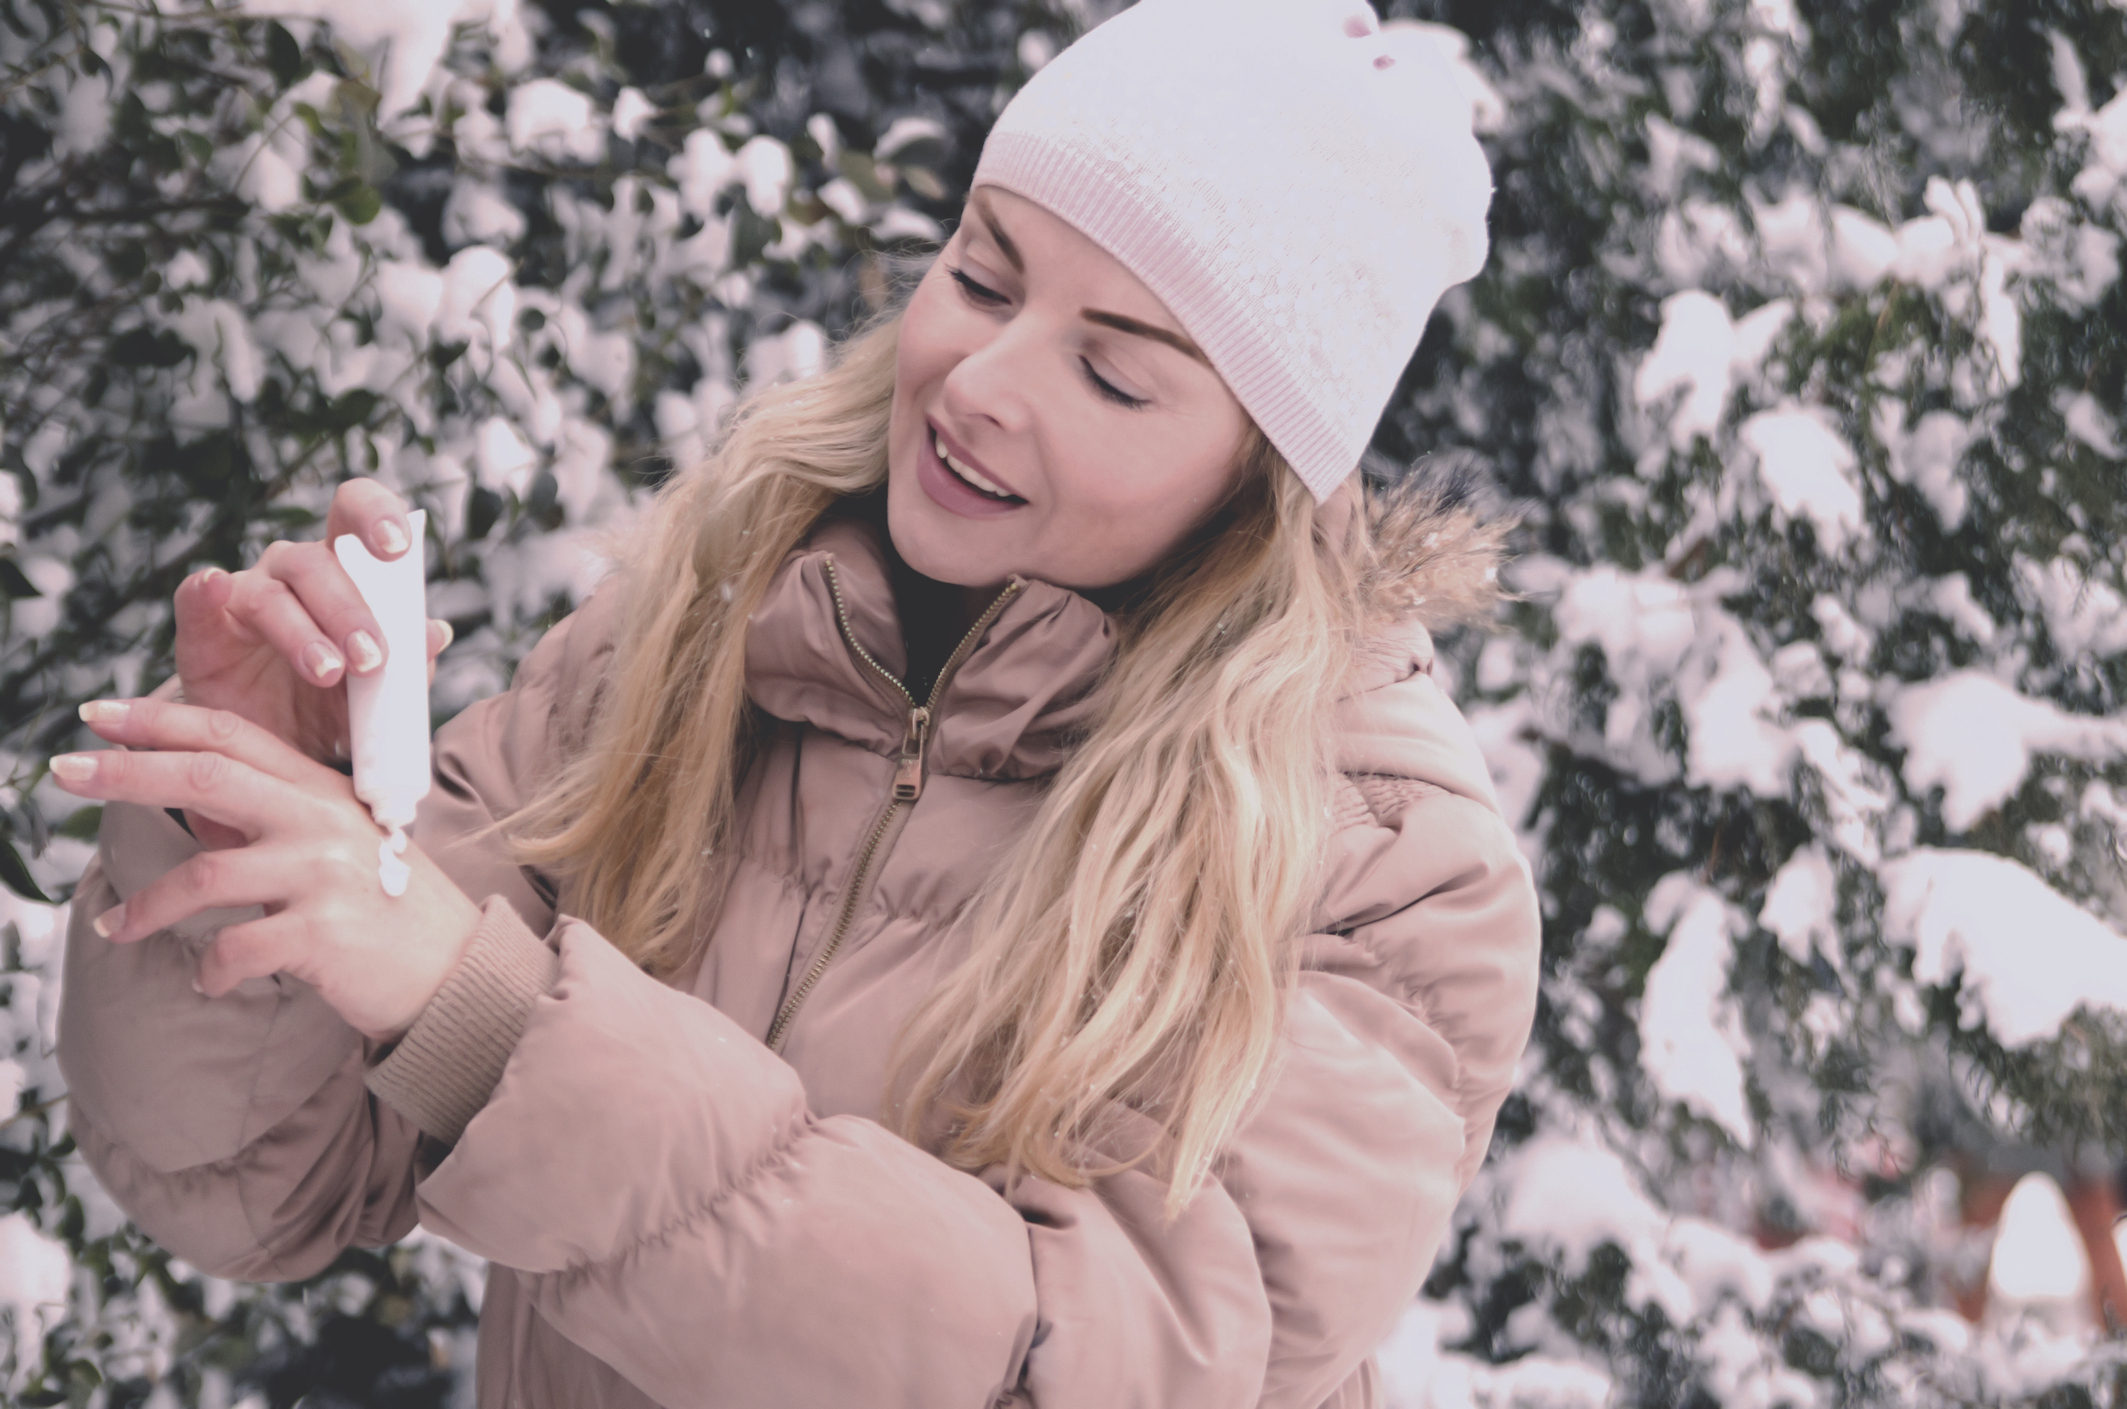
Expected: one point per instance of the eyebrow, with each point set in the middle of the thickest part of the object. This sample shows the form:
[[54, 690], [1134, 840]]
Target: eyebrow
[[1123, 324], [1004, 241]]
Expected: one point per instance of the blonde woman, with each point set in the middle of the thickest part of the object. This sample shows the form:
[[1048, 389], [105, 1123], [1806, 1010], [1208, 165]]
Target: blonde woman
[[986, 906]]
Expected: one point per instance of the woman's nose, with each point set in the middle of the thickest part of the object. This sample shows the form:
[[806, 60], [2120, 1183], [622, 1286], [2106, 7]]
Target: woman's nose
[[993, 379]]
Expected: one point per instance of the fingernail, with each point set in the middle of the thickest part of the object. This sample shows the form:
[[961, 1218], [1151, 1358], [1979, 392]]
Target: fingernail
[[319, 660], [74, 767], [196, 988], [362, 649], [390, 537], [449, 635], [105, 712], [111, 921]]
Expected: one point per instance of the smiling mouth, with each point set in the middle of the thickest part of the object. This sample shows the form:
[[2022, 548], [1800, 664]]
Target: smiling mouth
[[972, 478]]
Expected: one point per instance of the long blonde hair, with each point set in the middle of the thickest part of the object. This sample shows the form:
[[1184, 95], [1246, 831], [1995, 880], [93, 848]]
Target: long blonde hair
[[1137, 945]]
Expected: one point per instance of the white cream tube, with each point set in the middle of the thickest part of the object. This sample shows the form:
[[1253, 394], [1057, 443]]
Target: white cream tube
[[388, 711]]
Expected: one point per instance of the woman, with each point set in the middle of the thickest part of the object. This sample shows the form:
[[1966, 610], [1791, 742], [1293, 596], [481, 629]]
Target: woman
[[986, 907]]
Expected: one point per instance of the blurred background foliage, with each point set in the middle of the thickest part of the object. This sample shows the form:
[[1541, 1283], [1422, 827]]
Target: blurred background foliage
[[1799, 356]]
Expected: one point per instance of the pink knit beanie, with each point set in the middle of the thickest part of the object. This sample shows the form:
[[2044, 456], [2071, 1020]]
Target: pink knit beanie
[[1298, 186]]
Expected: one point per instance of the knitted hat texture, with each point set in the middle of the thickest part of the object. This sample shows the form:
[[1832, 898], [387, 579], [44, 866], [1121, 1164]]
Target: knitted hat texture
[[1297, 185]]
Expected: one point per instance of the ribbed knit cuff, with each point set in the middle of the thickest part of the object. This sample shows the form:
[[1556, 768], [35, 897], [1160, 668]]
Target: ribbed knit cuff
[[445, 1068]]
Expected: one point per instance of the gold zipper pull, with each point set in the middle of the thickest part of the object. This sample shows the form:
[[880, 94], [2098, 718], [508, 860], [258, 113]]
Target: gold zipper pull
[[908, 775]]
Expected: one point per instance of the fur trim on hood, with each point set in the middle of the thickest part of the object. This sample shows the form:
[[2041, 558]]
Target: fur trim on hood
[[1435, 550]]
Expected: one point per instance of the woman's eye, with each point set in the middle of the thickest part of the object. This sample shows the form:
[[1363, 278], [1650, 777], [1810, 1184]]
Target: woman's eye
[[978, 293], [1108, 389]]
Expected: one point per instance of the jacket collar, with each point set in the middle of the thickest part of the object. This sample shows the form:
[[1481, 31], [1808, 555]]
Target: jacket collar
[[1011, 709]]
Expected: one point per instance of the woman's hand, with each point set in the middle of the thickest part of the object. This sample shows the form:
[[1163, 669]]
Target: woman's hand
[[307, 852], [274, 642]]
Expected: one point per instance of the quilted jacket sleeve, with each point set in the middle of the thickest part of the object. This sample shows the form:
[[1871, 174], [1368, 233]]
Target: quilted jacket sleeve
[[237, 1131], [716, 1242]]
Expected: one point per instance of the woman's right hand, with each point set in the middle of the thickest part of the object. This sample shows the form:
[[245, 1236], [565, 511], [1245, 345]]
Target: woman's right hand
[[274, 642]]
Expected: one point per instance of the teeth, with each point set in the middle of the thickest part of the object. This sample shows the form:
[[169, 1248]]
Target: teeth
[[971, 476]]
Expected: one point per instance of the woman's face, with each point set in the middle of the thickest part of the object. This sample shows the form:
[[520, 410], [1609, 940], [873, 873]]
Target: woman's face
[[1090, 435]]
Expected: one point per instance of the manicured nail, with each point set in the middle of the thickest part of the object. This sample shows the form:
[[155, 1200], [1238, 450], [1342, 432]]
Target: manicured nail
[[449, 634], [105, 712], [390, 537], [111, 921], [362, 650], [74, 767], [319, 660]]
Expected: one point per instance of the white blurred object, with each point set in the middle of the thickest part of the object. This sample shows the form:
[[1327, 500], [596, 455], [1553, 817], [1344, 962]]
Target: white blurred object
[[2039, 1264]]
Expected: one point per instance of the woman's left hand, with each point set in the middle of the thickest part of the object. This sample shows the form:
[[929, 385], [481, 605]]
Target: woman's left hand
[[308, 854]]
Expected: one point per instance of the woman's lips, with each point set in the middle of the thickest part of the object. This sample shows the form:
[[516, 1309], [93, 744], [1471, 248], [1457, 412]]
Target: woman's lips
[[948, 491]]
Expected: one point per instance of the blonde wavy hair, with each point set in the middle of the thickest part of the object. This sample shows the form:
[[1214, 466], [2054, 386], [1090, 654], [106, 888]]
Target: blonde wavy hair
[[1136, 947]]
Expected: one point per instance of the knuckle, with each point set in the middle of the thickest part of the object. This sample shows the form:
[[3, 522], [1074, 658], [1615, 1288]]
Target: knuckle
[[202, 875], [206, 770], [223, 724]]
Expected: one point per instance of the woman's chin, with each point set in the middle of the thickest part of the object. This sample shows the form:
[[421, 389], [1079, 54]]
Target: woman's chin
[[941, 546]]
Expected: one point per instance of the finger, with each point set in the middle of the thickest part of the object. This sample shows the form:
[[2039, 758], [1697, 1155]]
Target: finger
[[170, 727], [372, 513], [254, 949], [201, 598], [207, 880], [232, 793], [302, 600], [440, 635]]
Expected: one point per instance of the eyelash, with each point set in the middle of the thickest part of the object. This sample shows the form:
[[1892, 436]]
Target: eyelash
[[984, 296]]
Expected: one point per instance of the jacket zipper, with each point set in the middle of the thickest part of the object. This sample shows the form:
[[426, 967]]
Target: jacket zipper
[[907, 784]]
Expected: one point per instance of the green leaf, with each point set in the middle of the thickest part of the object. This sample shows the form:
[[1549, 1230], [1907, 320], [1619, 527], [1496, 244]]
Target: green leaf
[[139, 347], [481, 512], [361, 204], [81, 824], [13, 584], [283, 55], [15, 874]]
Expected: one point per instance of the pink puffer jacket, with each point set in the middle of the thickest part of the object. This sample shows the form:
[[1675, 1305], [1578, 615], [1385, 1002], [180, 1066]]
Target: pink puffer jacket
[[681, 1212]]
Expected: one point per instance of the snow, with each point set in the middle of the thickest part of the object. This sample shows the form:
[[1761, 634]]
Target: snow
[[2038, 1254], [1927, 458], [702, 169], [1570, 1196], [764, 165], [2084, 616], [2028, 954], [632, 111], [403, 39], [2087, 422], [84, 116], [1973, 737], [1951, 597], [478, 213], [1728, 697], [905, 132], [2103, 179], [408, 296], [1808, 470], [1691, 353], [1691, 1039], [550, 119], [504, 460], [1800, 906], [35, 1275]]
